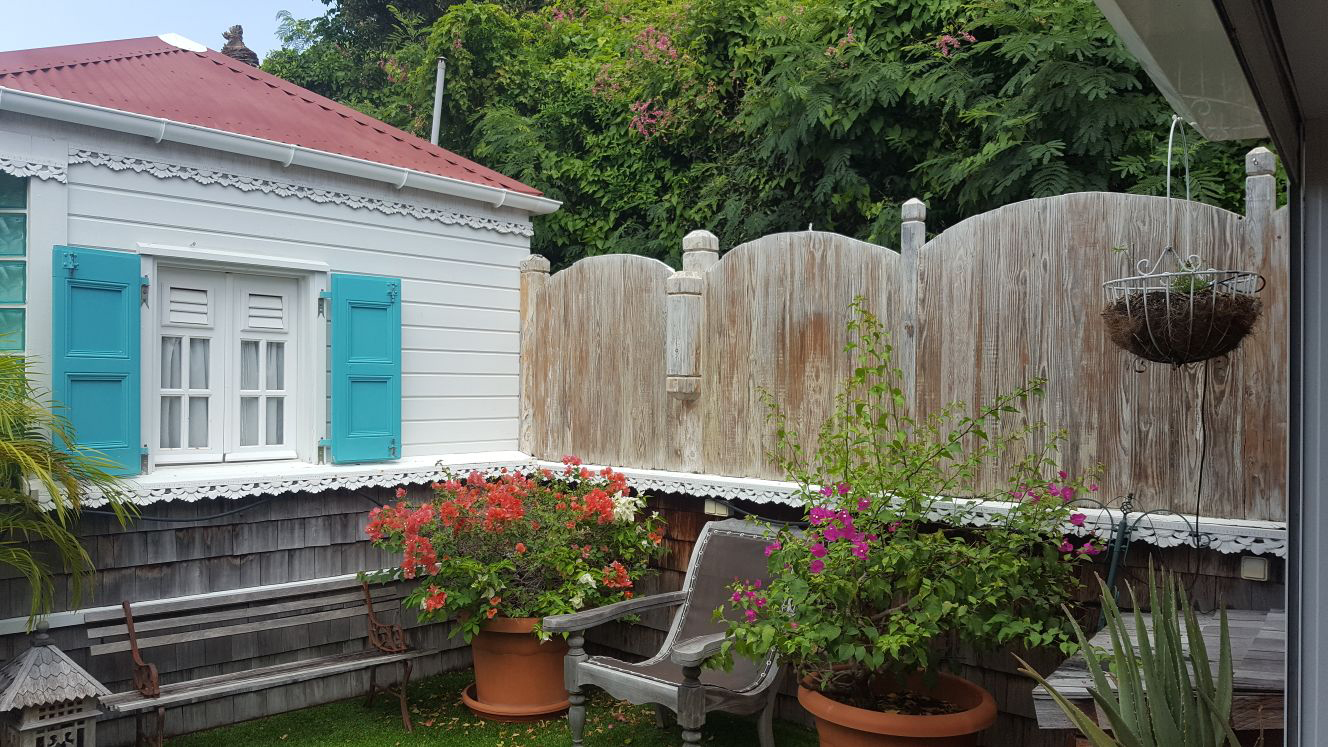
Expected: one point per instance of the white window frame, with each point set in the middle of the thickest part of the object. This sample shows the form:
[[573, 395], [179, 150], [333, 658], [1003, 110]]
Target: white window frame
[[306, 374]]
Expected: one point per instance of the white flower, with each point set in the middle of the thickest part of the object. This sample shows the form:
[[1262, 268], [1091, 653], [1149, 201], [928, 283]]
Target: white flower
[[624, 507], [587, 579], [577, 601]]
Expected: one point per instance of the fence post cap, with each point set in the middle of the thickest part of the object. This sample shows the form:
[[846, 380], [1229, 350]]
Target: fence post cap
[[1260, 161], [700, 241], [535, 263], [913, 209]]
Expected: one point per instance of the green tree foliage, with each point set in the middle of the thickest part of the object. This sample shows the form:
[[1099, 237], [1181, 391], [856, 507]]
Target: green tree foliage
[[43, 485], [650, 118]]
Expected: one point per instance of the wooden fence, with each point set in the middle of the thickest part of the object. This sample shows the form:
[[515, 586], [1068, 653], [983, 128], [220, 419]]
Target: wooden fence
[[626, 362]]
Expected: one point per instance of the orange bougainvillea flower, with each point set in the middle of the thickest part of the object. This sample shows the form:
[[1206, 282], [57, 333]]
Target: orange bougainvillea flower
[[492, 611], [495, 600], [520, 548]]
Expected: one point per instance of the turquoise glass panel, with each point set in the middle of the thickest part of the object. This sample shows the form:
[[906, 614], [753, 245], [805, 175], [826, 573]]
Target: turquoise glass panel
[[13, 235], [11, 329], [13, 282], [13, 192]]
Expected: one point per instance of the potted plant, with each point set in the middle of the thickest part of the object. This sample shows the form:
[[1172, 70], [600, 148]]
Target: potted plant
[[888, 571], [1155, 687], [497, 554]]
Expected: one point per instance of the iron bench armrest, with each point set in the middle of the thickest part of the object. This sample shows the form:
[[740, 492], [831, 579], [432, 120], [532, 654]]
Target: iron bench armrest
[[590, 618], [693, 652]]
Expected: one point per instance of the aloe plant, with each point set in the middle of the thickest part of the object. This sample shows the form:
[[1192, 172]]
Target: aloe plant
[[1158, 694]]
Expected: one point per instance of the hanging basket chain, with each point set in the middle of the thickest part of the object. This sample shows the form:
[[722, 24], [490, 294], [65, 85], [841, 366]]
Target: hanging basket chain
[[1186, 314]]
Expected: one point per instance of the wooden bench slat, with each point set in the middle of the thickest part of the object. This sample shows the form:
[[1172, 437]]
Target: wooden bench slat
[[231, 630], [180, 621], [225, 598], [251, 680]]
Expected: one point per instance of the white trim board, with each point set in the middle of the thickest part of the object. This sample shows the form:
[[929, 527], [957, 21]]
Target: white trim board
[[1234, 536], [1161, 530]]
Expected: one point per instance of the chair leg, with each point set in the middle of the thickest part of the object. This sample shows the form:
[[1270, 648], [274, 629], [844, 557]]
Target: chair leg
[[765, 724], [576, 715], [140, 737], [373, 686], [401, 694], [661, 716], [691, 705]]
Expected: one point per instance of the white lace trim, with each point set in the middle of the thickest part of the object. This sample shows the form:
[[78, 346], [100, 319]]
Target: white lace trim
[[238, 481], [162, 170], [1162, 530], [27, 167], [192, 483]]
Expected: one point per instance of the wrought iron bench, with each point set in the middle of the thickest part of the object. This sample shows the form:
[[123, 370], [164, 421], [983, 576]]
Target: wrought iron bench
[[210, 618], [673, 678]]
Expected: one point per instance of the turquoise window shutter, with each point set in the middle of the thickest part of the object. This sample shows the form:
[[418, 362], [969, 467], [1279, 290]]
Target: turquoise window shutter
[[366, 369], [95, 350]]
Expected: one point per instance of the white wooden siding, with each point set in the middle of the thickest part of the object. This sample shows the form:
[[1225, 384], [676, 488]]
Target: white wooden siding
[[459, 290]]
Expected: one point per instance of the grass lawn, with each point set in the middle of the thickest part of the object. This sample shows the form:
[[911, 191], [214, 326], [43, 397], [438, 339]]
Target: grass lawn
[[440, 719]]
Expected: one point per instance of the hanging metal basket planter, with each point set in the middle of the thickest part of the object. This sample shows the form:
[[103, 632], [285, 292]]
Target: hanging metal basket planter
[[1183, 316], [1175, 310]]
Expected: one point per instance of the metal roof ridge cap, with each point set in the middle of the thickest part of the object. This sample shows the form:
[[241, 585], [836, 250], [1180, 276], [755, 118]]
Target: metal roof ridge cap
[[53, 107]]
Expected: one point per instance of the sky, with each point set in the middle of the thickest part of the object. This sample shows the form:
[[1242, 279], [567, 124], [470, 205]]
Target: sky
[[50, 23]]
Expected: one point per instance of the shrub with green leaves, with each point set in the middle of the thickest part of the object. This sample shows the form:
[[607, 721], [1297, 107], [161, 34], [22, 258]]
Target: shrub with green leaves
[[888, 570]]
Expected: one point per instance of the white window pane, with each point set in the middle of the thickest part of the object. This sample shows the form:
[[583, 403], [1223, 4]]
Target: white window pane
[[249, 366], [249, 421], [170, 362], [198, 422], [276, 421], [276, 366], [198, 362], [170, 422]]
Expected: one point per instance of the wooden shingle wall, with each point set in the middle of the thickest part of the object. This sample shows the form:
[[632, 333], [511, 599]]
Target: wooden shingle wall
[[983, 307], [269, 540]]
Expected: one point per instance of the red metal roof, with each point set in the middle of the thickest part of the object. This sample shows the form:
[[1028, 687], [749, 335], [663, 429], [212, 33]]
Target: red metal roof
[[155, 78]]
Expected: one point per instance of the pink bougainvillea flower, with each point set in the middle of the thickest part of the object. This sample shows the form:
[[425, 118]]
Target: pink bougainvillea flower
[[760, 601], [751, 615], [817, 566], [737, 596], [893, 527], [844, 488], [860, 549], [864, 504], [401, 492], [770, 548], [756, 584], [1066, 546], [1093, 488], [827, 491], [1089, 548], [818, 550], [1077, 519], [1062, 474]]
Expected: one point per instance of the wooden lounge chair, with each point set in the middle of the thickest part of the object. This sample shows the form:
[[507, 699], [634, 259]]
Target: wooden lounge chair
[[673, 678]]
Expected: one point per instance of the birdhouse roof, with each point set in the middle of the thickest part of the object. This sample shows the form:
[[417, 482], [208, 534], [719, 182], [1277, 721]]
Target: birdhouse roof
[[42, 675]]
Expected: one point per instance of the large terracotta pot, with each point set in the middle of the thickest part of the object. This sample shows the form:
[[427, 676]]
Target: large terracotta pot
[[517, 677], [842, 725]]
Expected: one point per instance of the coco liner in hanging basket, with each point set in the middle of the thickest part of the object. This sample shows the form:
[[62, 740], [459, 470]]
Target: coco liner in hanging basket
[[1177, 326]]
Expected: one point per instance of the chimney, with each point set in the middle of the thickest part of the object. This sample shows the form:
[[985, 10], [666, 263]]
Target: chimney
[[235, 49]]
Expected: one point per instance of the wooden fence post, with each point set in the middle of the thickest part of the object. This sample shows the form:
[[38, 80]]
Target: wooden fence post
[[912, 235], [534, 276], [683, 362]]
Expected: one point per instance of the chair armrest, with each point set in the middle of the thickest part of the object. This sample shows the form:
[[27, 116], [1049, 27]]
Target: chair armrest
[[590, 618], [694, 651]]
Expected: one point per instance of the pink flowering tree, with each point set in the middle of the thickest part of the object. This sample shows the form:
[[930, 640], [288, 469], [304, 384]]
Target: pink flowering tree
[[889, 569]]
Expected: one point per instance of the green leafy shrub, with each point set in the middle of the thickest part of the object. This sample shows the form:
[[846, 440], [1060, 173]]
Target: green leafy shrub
[[519, 545], [884, 574]]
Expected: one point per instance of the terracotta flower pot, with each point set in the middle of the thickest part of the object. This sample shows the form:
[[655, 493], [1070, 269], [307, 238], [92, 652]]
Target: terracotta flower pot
[[842, 725], [517, 677]]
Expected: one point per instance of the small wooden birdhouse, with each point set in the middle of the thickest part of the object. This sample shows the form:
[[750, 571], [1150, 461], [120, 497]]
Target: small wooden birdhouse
[[46, 700]]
